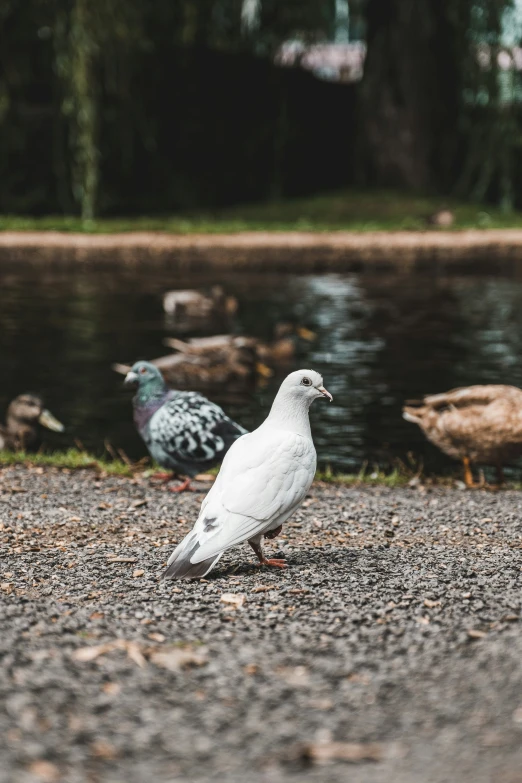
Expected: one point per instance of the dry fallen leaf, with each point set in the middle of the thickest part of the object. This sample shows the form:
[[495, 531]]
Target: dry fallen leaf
[[172, 659], [431, 604], [235, 600], [122, 559], [178, 658], [475, 634], [134, 653], [112, 688], [353, 752], [493, 739], [44, 770], [296, 676], [264, 588], [87, 654], [137, 573], [6, 587], [157, 637], [97, 616], [104, 750]]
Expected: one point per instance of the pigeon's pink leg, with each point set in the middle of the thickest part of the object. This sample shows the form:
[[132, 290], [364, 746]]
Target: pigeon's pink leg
[[164, 477], [275, 562], [183, 487]]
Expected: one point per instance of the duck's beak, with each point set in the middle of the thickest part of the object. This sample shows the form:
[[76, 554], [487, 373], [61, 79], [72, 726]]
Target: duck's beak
[[325, 393], [47, 420], [131, 378]]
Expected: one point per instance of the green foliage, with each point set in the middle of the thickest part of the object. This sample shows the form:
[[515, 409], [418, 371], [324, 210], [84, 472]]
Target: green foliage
[[102, 98], [353, 210], [490, 114], [90, 38]]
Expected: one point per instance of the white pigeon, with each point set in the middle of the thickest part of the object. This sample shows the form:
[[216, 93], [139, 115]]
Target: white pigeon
[[264, 477]]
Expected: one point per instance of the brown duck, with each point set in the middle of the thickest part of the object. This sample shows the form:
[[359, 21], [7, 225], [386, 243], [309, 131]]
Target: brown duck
[[189, 310], [475, 424], [25, 415]]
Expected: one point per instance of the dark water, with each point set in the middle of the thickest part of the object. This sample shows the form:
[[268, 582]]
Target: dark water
[[381, 339]]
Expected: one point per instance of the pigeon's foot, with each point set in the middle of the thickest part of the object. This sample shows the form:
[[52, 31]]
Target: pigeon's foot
[[163, 477], [273, 533], [274, 562], [183, 487], [264, 561]]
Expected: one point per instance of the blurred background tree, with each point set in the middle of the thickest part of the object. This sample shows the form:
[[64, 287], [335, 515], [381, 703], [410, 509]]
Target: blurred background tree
[[126, 106]]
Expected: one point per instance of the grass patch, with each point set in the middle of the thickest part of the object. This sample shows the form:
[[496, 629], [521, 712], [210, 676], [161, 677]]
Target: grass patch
[[397, 477], [350, 210], [73, 459]]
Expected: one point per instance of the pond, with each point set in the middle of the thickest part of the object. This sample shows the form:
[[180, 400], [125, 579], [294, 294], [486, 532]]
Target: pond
[[381, 338]]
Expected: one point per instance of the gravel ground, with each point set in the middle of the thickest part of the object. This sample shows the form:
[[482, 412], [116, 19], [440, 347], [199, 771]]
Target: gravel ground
[[390, 650]]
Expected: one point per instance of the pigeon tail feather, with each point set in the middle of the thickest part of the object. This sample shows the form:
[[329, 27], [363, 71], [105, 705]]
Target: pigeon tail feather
[[179, 565]]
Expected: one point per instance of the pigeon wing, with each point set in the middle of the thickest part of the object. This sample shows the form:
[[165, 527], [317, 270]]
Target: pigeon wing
[[192, 428], [263, 479]]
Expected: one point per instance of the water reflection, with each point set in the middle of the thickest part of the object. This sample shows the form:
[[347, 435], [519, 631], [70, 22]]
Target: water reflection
[[381, 338]]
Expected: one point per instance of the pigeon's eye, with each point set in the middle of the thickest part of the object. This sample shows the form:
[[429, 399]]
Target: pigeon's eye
[[306, 382], [143, 370]]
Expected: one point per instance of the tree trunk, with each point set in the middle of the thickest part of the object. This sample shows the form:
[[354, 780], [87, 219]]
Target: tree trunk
[[410, 91], [84, 89]]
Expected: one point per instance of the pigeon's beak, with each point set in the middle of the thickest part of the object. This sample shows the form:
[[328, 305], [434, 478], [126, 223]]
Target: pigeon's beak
[[46, 419], [325, 393], [131, 378]]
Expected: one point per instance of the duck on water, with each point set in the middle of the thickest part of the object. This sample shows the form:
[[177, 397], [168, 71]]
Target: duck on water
[[25, 416]]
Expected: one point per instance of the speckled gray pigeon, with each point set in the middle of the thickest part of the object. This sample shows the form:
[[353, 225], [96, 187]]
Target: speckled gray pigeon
[[184, 432]]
